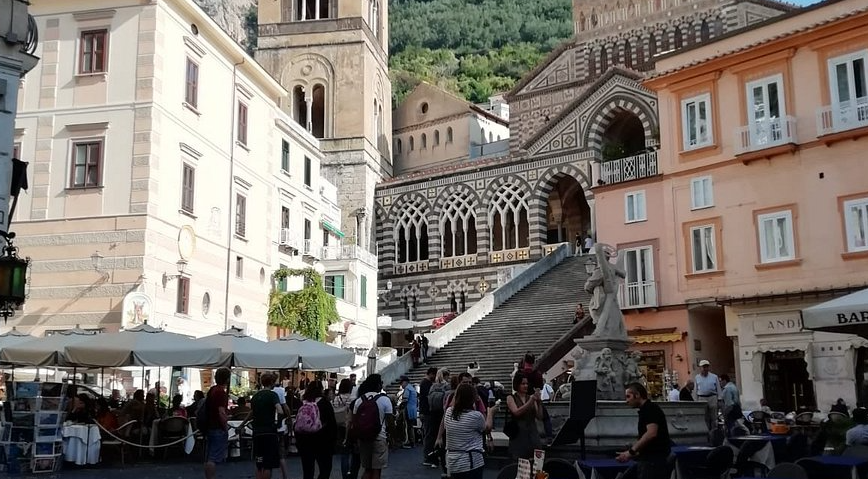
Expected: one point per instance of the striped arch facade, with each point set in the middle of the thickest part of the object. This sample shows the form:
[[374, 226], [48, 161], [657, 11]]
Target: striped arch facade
[[538, 220], [437, 216], [483, 228], [601, 119], [383, 227]]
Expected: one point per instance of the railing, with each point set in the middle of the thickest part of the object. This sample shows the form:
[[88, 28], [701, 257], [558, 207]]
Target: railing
[[287, 238], [763, 134], [558, 351], [308, 248], [631, 168], [350, 251], [842, 116], [642, 294], [508, 255]]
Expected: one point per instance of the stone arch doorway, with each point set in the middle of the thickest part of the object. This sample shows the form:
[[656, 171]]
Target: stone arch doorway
[[567, 211], [623, 136]]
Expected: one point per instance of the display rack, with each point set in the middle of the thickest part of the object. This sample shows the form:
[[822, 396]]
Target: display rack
[[31, 431]]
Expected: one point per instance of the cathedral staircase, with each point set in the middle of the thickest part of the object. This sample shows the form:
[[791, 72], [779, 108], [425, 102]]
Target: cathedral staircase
[[535, 319]]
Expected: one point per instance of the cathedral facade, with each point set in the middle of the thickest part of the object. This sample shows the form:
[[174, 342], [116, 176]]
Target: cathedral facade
[[449, 234]]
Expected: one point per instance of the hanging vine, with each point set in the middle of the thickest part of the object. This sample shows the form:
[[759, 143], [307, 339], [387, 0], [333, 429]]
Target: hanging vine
[[308, 311]]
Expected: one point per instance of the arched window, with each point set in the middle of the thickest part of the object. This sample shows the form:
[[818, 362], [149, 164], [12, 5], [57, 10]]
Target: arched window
[[299, 107], [398, 146], [498, 138], [482, 135], [640, 54], [604, 59], [307, 9], [704, 31], [411, 233], [449, 134], [436, 137], [628, 54], [318, 111], [490, 137], [424, 141], [652, 46], [374, 17], [507, 216], [412, 143], [458, 225], [679, 38], [582, 21], [664, 41]]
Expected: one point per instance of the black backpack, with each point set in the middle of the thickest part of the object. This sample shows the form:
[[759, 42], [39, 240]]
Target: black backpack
[[202, 417], [436, 397]]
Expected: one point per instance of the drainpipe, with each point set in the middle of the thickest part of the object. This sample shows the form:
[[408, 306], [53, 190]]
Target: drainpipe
[[229, 215]]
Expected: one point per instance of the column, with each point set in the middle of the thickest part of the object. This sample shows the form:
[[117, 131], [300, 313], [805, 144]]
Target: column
[[303, 10], [308, 104], [316, 13]]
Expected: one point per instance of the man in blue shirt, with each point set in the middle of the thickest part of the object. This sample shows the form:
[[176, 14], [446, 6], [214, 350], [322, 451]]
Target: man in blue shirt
[[410, 399], [708, 390], [731, 402]]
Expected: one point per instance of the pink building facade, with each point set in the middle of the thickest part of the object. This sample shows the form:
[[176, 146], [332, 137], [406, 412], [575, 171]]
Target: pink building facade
[[760, 207]]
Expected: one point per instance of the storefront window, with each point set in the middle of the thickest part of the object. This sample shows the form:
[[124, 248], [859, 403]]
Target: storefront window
[[652, 366]]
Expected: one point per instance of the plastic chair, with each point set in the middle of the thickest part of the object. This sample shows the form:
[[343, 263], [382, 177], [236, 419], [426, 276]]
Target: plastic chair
[[172, 429], [838, 417], [788, 470], [123, 432], [561, 468], [805, 418], [717, 463], [758, 421], [743, 463]]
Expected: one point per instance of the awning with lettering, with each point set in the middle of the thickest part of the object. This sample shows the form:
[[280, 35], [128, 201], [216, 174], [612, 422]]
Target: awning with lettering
[[657, 338], [333, 229], [847, 314]]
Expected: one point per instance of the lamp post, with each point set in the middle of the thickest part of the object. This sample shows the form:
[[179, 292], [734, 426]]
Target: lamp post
[[13, 278], [182, 266]]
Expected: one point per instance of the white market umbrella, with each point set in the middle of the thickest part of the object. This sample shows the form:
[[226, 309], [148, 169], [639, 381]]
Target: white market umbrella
[[312, 354], [46, 351], [242, 351], [142, 346], [13, 337], [847, 314]]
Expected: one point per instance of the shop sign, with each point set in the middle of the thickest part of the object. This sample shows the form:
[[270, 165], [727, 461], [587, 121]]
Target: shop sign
[[777, 325]]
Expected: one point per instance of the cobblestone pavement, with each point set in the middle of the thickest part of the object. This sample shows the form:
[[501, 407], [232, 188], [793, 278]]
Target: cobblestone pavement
[[403, 463]]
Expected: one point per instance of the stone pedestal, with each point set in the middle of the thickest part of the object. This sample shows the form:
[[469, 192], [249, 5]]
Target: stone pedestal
[[605, 360]]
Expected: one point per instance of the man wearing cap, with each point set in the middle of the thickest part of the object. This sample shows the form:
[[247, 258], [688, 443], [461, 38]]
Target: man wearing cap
[[708, 390]]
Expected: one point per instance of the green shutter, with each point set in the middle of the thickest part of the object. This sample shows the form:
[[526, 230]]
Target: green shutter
[[281, 285], [339, 287], [363, 301]]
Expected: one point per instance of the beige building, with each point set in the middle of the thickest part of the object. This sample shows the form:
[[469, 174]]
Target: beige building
[[162, 171], [435, 128]]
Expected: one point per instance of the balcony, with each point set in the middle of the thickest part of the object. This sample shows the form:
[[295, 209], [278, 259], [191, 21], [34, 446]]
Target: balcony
[[309, 249], [843, 116], [634, 167], [288, 239], [641, 294], [348, 252], [764, 134]]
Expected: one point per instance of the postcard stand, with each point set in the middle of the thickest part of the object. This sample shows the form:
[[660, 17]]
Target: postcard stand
[[32, 431]]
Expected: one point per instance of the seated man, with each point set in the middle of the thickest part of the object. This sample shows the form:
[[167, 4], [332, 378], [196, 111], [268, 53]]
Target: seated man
[[241, 409], [858, 434]]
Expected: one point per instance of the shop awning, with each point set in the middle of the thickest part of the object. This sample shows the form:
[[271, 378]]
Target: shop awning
[[847, 314], [657, 338], [332, 228]]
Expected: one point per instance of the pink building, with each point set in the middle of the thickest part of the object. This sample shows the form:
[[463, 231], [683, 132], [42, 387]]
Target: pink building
[[757, 208]]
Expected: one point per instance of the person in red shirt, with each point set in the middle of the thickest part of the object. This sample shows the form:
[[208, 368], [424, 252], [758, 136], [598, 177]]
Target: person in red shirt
[[217, 404]]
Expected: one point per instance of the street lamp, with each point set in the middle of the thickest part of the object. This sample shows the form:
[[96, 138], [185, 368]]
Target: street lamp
[[182, 266], [13, 278], [319, 268]]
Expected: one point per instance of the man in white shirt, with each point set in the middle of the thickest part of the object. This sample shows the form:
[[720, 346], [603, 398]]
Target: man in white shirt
[[282, 427], [374, 454], [675, 393], [708, 390]]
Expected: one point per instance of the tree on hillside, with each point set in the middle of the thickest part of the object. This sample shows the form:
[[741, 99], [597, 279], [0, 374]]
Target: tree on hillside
[[308, 311]]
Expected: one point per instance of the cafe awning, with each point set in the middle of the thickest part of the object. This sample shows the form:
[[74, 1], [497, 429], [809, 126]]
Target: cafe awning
[[847, 314], [334, 229], [657, 338]]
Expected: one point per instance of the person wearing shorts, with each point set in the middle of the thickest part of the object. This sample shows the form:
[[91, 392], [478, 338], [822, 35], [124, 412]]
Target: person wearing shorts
[[217, 404], [374, 454], [264, 410]]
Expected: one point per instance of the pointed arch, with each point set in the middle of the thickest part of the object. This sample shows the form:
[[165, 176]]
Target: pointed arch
[[575, 212], [628, 54], [678, 40], [602, 117], [410, 233], [457, 223], [508, 213], [704, 31]]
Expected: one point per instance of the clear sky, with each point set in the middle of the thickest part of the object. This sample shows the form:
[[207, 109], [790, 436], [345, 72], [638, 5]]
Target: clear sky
[[805, 2]]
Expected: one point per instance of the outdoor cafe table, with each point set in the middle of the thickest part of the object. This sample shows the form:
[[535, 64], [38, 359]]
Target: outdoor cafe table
[[601, 468], [841, 467], [766, 453], [686, 455], [81, 443]]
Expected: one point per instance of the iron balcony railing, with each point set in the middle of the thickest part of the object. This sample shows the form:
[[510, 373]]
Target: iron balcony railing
[[630, 168]]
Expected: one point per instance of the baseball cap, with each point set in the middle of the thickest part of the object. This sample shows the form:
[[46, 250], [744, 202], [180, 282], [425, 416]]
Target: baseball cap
[[704, 362]]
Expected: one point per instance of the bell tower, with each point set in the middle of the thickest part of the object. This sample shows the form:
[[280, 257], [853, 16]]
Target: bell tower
[[331, 55]]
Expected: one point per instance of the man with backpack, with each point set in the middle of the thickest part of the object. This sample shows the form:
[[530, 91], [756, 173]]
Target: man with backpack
[[368, 426], [213, 419]]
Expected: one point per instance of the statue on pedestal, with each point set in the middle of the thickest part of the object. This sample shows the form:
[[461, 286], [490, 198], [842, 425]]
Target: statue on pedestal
[[632, 373], [603, 285], [604, 366]]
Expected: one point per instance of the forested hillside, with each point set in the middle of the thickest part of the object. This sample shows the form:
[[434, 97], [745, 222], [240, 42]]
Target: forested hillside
[[471, 47]]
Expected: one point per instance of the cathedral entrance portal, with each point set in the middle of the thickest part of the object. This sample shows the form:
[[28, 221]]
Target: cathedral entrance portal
[[567, 211]]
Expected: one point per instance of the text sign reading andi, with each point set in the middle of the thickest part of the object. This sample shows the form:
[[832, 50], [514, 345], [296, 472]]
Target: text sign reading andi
[[777, 325]]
